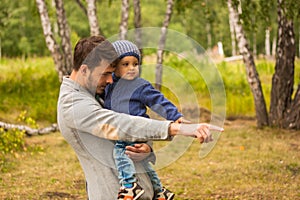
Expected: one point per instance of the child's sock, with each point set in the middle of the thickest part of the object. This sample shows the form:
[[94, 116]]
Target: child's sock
[[128, 185]]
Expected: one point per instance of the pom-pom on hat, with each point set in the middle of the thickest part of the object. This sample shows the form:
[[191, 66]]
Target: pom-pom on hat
[[126, 48]]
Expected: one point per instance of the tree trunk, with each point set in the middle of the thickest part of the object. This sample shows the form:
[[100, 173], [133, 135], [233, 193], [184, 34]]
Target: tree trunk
[[274, 47], [137, 22], [232, 36], [0, 49], [137, 25], [252, 75], [283, 78], [161, 45], [292, 120], [28, 130], [267, 43], [92, 16], [49, 37], [254, 45], [64, 34], [124, 20], [208, 35], [91, 13], [81, 6], [208, 26]]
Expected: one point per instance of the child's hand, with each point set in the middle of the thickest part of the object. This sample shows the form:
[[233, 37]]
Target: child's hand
[[201, 131], [181, 120]]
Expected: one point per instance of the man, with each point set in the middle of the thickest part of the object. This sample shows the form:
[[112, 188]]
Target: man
[[90, 129]]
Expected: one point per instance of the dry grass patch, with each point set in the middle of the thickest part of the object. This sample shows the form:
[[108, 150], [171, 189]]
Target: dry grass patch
[[246, 163]]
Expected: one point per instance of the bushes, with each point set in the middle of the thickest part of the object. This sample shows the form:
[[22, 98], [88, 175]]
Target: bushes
[[11, 141], [30, 85]]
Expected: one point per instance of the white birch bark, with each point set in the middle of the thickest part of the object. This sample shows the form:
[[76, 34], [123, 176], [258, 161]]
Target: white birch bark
[[137, 23], [267, 43], [49, 37], [252, 75], [254, 45], [274, 47], [92, 17], [124, 20], [138, 31], [232, 36], [64, 33], [161, 45]]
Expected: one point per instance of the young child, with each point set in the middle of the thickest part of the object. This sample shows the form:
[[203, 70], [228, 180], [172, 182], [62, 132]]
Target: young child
[[132, 95]]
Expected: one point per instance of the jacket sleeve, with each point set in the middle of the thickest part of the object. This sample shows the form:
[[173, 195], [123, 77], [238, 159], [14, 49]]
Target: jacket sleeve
[[85, 114], [156, 101]]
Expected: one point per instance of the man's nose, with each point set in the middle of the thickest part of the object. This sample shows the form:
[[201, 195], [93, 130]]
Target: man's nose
[[109, 79]]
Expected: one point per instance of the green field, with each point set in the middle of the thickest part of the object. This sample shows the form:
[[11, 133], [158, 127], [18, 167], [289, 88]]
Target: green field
[[246, 163]]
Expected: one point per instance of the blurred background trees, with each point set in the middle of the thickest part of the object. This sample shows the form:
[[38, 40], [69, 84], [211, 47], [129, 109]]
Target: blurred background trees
[[205, 21], [260, 29]]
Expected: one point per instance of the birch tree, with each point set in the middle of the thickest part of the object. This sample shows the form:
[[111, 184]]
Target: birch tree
[[64, 33], [161, 45], [284, 110], [274, 47], [51, 43], [92, 17], [81, 6], [137, 26], [124, 20], [252, 75], [90, 10], [208, 25], [232, 36], [267, 43]]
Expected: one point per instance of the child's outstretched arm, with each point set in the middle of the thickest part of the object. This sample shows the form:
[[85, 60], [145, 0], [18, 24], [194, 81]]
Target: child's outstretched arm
[[200, 131]]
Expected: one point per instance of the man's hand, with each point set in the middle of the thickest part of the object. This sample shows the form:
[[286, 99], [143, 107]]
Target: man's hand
[[138, 152]]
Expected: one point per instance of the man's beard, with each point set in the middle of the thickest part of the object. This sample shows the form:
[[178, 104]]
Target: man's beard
[[90, 87]]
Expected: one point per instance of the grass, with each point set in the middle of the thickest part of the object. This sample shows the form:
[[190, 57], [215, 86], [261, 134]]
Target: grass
[[50, 171], [246, 163], [32, 85], [28, 85]]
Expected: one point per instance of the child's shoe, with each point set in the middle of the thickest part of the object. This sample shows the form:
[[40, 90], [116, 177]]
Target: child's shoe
[[133, 193], [165, 194]]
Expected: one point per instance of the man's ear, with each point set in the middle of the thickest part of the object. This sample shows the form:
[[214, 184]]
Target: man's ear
[[83, 69]]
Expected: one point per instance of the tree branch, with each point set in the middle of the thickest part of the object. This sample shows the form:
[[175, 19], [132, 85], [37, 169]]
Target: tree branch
[[80, 4]]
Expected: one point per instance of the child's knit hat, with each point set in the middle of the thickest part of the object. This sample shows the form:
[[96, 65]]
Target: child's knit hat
[[126, 48]]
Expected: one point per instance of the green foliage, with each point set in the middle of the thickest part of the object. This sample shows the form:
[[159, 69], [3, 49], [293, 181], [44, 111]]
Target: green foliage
[[28, 120], [12, 141], [239, 98], [33, 85], [21, 32], [30, 85]]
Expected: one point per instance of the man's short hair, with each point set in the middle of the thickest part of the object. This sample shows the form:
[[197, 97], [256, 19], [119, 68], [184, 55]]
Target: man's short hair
[[92, 50]]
